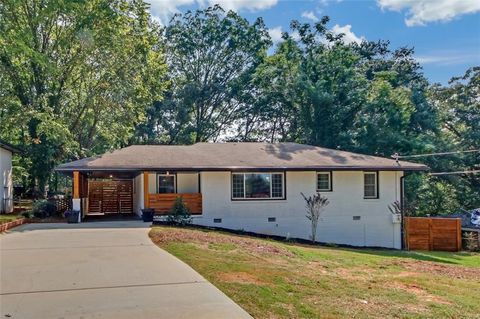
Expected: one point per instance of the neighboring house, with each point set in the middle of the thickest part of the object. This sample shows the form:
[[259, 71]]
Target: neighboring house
[[6, 182], [249, 186]]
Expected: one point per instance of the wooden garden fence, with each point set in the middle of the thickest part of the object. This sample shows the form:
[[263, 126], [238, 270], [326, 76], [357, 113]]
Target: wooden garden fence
[[427, 233]]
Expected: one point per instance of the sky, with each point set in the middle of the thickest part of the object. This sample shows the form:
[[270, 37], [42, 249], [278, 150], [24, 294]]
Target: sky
[[444, 33]]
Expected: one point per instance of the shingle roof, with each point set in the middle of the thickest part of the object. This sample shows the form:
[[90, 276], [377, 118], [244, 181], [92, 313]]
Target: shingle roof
[[234, 156], [8, 147]]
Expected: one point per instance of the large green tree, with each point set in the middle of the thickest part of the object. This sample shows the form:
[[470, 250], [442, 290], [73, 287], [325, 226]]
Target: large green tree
[[459, 107], [270, 108], [76, 77], [211, 56]]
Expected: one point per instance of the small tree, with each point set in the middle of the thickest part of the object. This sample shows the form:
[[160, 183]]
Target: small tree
[[395, 208], [315, 205], [179, 215]]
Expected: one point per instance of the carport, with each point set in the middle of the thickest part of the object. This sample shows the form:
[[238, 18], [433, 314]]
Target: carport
[[103, 193]]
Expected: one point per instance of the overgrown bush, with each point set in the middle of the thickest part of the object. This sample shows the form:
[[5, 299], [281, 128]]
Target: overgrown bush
[[179, 215], [27, 214], [43, 209], [471, 241]]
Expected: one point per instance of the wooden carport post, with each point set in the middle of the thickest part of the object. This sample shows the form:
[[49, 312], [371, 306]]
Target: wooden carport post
[[76, 200], [76, 184], [145, 190]]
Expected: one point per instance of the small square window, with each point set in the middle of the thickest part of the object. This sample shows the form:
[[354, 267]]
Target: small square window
[[324, 182]]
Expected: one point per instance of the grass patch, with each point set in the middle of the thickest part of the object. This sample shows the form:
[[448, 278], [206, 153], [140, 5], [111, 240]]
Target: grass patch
[[6, 218], [272, 279]]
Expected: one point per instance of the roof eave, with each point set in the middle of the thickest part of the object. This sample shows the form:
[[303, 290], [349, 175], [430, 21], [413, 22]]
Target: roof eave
[[244, 168], [9, 147]]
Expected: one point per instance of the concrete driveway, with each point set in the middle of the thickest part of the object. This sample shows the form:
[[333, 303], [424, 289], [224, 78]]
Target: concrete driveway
[[100, 270]]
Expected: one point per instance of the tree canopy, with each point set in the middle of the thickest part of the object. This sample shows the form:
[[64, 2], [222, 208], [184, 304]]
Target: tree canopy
[[79, 78], [76, 77]]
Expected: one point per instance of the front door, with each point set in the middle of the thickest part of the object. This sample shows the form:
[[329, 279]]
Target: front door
[[110, 197]]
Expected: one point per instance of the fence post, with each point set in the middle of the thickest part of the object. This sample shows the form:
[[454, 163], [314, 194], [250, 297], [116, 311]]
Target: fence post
[[430, 234], [459, 234], [406, 232]]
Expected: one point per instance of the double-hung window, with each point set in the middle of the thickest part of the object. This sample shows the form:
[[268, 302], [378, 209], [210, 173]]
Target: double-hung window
[[258, 186], [370, 185], [166, 183], [324, 181]]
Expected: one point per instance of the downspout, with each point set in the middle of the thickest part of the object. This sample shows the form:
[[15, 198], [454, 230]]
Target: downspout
[[402, 212]]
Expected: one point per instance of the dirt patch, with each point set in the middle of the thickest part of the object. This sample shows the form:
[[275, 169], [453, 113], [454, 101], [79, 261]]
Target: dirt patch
[[317, 267], [407, 274], [457, 272], [204, 237], [420, 293], [354, 274], [239, 277]]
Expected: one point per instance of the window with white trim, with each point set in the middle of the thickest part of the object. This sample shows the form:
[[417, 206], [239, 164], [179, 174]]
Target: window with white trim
[[324, 181], [370, 185], [166, 183], [258, 186]]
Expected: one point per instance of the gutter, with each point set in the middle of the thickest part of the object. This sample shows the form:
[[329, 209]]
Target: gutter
[[9, 147], [239, 168], [402, 212]]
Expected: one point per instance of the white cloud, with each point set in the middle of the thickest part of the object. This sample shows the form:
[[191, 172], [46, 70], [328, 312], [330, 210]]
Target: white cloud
[[448, 58], [327, 2], [162, 10], [421, 12], [349, 36], [251, 5], [295, 36], [275, 34], [310, 15]]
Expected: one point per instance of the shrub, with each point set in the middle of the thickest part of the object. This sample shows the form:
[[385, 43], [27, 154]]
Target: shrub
[[43, 209], [315, 206], [471, 241], [27, 214], [179, 215]]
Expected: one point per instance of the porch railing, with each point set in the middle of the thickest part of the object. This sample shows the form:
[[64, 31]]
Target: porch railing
[[163, 203]]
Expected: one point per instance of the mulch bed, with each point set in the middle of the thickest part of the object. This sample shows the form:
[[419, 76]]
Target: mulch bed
[[46, 220], [21, 221], [204, 237]]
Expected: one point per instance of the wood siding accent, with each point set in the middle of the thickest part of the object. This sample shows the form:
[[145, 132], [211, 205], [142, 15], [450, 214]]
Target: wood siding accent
[[424, 233], [145, 190], [76, 184], [163, 203]]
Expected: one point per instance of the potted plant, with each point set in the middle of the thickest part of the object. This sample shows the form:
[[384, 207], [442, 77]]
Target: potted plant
[[72, 216], [147, 214]]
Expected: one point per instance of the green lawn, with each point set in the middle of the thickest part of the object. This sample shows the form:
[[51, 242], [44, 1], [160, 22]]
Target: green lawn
[[5, 218], [272, 279]]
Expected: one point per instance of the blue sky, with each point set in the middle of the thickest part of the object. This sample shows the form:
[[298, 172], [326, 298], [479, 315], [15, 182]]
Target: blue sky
[[444, 33]]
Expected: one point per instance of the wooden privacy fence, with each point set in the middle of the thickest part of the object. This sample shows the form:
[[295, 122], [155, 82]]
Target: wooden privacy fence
[[426, 233]]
